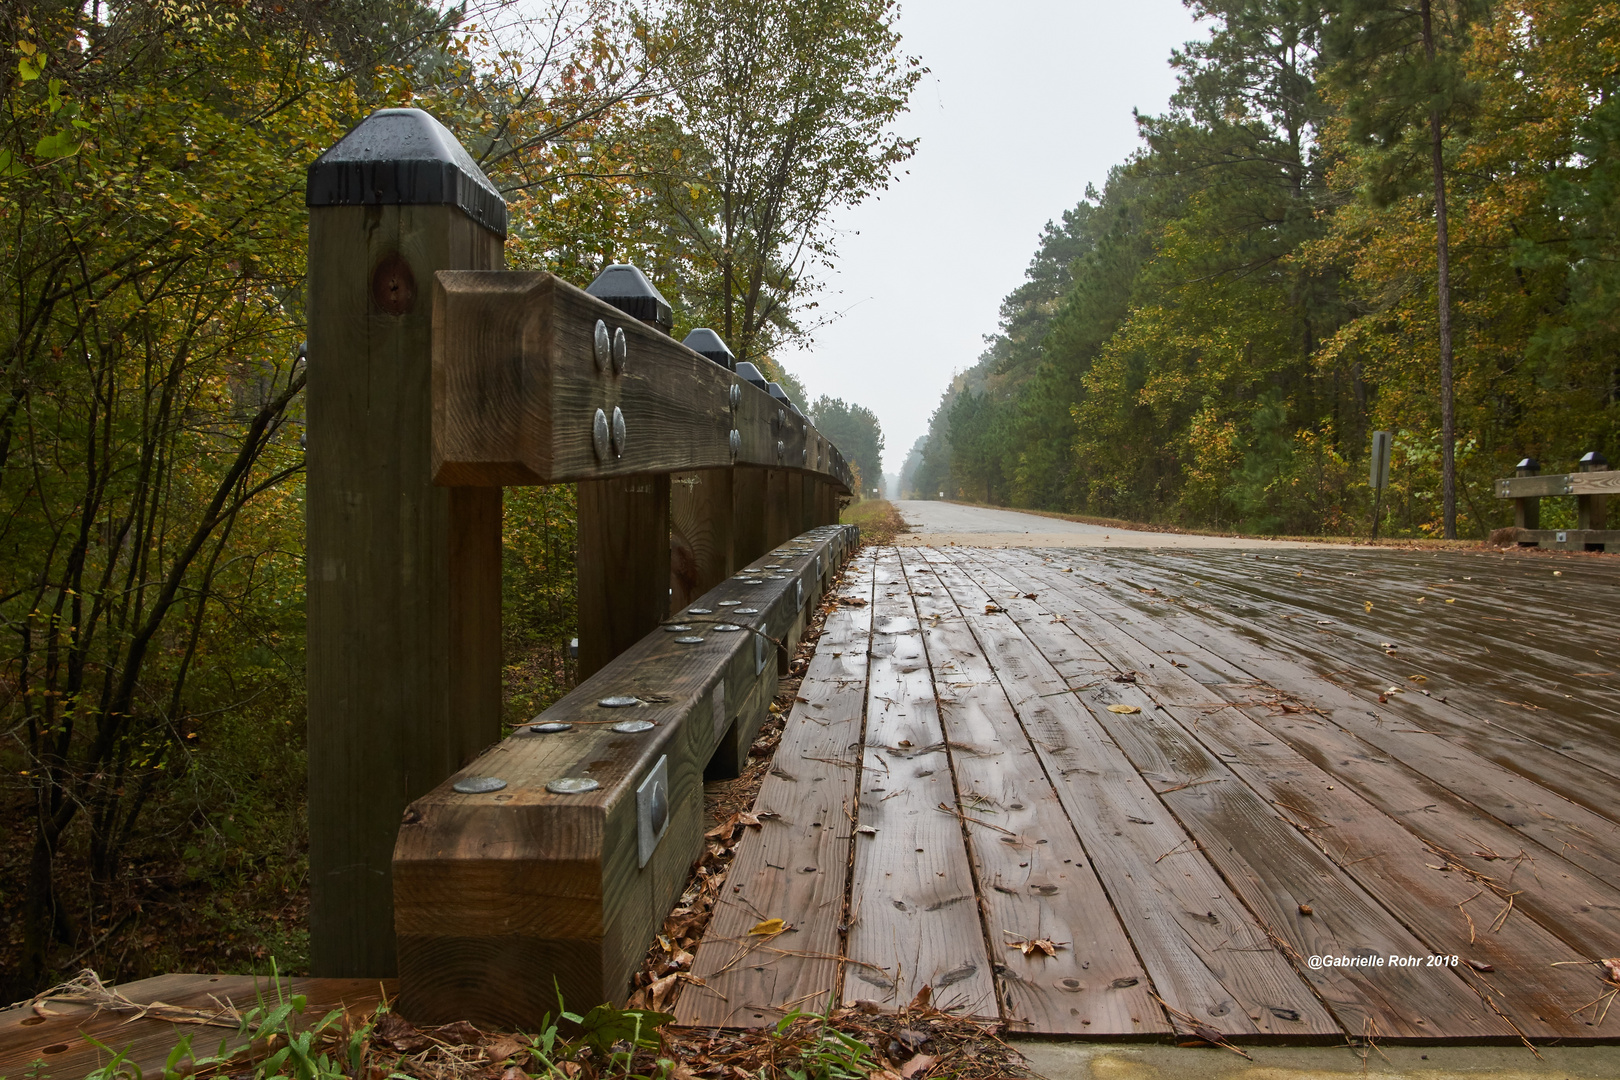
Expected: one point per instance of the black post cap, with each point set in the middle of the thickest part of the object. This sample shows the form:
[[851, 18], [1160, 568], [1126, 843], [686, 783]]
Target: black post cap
[[706, 342], [776, 391], [1528, 467], [627, 288], [1593, 461], [749, 373], [404, 157]]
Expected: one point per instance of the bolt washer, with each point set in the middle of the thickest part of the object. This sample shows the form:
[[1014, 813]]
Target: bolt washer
[[633, 727], [550, 727], [618, 701], [572, 785], [478, 785]]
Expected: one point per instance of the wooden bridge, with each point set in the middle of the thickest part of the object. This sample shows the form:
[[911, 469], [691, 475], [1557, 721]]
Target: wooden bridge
[[1290, 795]]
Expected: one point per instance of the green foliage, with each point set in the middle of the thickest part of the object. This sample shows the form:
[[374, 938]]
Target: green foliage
[[1256, 290], [855, 430]]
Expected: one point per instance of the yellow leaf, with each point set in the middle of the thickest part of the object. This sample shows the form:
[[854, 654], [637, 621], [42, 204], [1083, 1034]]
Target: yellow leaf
[[1123, 709], [1451, 599], [1368, 605], [769, 926]]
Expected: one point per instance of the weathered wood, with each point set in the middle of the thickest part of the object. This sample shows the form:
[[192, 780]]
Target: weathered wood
[[499, 894], [797, 520], [701, 548], [61, 1040], [1206, 954], [913, 918], [1231, 804], [403, 658], [1570, 539], [622, 559], [517, 387], [777, 526], [795, 866], [1538, 993], [1606, 482], [748, 491], [1034, 879]]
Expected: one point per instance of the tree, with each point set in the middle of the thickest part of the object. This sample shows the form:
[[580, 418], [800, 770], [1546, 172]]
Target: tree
[[855, 430], [1397, 67], [782, 119]]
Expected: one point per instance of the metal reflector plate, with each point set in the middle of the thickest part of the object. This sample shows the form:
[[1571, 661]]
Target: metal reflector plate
[[652, 809]]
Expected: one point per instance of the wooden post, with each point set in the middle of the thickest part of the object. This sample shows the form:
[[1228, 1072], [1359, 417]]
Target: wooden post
[[1591, 511], [700, 536], [623, 556], [749, 487], [797, 520], [1527, 511], [622, 564], [403, 578], [776, 508]]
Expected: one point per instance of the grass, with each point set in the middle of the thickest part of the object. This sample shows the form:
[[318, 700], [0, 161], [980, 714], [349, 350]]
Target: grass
[[879, 521]]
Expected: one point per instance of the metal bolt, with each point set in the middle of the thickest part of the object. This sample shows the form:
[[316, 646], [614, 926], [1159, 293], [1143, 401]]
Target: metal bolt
[[572, 785], [748, 611], [677, 629], [726, 628], [689, 640], [700, 611], [730, 603], [618, 432], [599, 435], [478, 785], [781, 452], [781, 418], [618, 701], [603, 345], [736, 394], [736, 442], [551, 727], [807, 455], [621, 350], [633, 727]]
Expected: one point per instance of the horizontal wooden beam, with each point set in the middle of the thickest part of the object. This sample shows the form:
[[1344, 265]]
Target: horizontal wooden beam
[[504, 898], [522, 393], [1581, 483], [1568, 539]]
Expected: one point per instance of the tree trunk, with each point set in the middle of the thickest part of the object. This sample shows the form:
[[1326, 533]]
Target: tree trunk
[[1448, 422]]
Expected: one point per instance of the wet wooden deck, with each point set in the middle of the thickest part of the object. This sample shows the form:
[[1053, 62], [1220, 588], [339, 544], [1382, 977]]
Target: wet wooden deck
[[1135, 793]]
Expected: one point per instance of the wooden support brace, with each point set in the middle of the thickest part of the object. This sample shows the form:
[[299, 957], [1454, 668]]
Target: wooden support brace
[[701, 545], [622, 558]]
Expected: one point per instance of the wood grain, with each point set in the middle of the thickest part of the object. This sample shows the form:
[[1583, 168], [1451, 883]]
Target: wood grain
[[517, 387], [1206, 954], [701, 551], [498, 895], [622, 561], [1034, 879], [1578, 483], [403, 657], [1204, 763], [914, 920], [1455, 913], [795, 866]]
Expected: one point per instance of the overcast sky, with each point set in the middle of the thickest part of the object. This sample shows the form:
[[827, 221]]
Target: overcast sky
[[1026, 103]]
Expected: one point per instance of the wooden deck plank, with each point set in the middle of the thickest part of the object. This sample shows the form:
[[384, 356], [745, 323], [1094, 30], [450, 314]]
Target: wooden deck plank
[[795, 867], [1267, 858], [1206, 954], [63, 1043], [1035, 881], [1489, 798], [1519, 722], [914, 920], [1374, 848]]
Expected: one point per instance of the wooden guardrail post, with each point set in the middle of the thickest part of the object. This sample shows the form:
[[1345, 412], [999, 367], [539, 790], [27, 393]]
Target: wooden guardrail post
[[1527, 510], [623, 562], [403, 578], [703, 548], [1591, 511]]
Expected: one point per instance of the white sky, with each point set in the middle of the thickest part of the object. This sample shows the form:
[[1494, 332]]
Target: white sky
[[1026, 103]]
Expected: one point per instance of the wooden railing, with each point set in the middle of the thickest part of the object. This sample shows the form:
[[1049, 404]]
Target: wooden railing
[[1591, 486], [436, 379]]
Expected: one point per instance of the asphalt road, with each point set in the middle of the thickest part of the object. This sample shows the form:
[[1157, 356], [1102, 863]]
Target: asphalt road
[[936, 524]]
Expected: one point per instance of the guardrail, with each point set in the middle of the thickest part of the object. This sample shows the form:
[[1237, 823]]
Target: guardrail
[[436, 379], [1591, 486]]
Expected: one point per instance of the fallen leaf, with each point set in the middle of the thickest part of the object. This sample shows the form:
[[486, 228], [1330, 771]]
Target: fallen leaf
[[1382, 700], [514, 1073], [1306, 909], [1418, 678], [1038, 946], [866, 830], [1128, 676], [1480, 965], [1368, 605], [918, 1064], [1421, 599], [460, 1033], [1030, 596], [1451, 599], [991, 609], [1612, 966], [502, 1048], [745, 818], [660, 990], [1123, 709], [924, 996], [769, 926], [1558, 573]]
